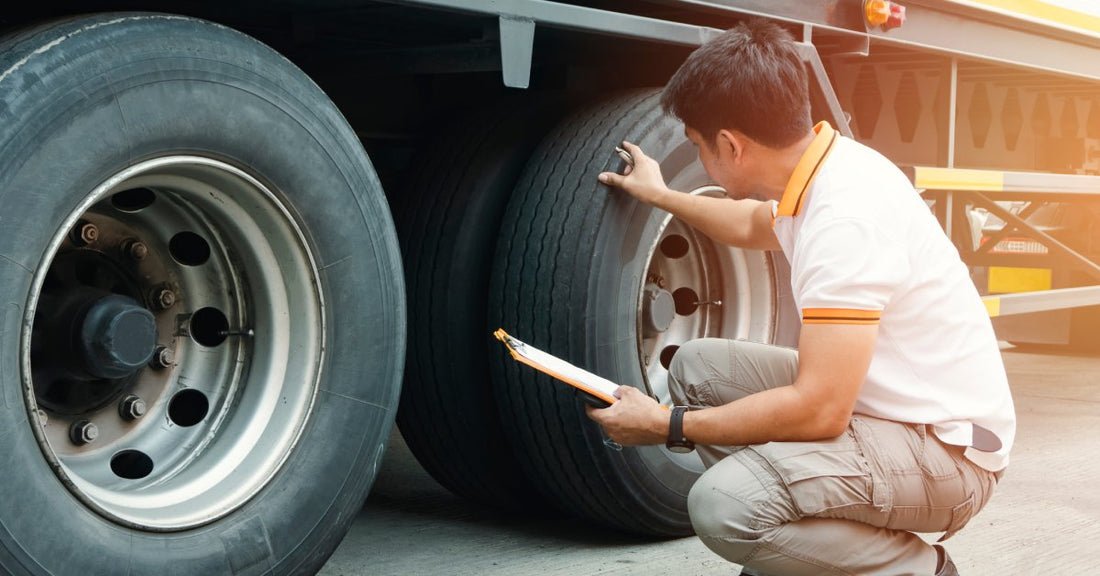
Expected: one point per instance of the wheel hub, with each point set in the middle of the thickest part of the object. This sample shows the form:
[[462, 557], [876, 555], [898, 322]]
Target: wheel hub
[[658, 307], [696, 288], [117, 337], [173, 343]]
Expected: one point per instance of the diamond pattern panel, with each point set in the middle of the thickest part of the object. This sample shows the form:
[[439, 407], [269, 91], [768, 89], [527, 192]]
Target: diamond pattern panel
[[1068, 123], [980, 115], [907, 106], [1012, 119], [867, 101], [1040, 117]]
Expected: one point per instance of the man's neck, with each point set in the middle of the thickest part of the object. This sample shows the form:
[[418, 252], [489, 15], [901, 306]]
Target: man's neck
[[780, 164]]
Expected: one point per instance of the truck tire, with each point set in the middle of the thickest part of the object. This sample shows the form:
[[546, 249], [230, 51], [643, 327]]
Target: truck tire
[[203, 315], [614, 286], [447, 221]]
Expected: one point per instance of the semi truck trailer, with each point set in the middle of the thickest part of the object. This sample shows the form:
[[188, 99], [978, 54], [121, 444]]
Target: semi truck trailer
[[240, 240]]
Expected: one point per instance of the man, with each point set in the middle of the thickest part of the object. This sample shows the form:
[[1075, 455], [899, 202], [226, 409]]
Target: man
[[894, 415]]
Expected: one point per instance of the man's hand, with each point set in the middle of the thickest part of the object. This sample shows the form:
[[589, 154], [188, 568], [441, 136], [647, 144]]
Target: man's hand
[[644, 181], [635, 420], [744, 223]]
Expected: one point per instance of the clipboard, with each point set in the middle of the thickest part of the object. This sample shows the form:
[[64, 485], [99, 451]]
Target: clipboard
[[594, 390]]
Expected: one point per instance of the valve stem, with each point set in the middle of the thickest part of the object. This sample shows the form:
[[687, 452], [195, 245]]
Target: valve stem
[[247, 332]]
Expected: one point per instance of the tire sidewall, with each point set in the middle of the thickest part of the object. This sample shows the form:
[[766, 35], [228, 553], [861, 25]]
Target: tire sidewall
[[122, 89]]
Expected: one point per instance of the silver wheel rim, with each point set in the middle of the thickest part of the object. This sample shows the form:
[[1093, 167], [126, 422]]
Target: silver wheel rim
[[233, 290], [715, 291]]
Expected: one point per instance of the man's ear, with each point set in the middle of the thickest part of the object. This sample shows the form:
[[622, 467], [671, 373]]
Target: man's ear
[[731, 147]]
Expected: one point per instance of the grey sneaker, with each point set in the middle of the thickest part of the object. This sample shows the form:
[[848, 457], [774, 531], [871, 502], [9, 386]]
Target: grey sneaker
[[944, 562]]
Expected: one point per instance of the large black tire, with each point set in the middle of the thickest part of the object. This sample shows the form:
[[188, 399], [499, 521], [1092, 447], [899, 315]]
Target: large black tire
[[570, 270], [92, 98], [447, 221]]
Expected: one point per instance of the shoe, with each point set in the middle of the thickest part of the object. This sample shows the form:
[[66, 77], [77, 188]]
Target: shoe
[[944, 563]]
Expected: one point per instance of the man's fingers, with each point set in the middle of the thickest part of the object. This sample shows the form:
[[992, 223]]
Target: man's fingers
[[611, 179], [614, 178], [597, 415], [634, 150]]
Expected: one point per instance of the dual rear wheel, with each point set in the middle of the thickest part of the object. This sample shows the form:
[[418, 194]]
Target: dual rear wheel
[[594, 277]]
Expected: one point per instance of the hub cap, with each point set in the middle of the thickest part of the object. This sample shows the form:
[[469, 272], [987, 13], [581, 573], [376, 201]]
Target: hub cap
[[117, 337]]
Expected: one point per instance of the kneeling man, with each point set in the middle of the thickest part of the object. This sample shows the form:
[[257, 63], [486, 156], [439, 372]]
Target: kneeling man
[[894, 415]]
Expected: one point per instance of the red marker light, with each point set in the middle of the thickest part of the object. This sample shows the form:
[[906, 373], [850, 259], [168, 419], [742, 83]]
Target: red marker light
[[883, 13], [897, 17]]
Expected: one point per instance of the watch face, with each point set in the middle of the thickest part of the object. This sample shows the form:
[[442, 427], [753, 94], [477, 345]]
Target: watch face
[[679, 448]]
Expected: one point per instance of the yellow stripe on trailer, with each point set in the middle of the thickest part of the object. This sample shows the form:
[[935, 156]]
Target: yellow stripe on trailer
[[995, 182], [929, 178], [1004, 279], [992, 305], [1043, 11]]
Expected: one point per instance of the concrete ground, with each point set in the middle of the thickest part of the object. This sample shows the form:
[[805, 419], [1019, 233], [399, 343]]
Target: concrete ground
[[1044, 519]]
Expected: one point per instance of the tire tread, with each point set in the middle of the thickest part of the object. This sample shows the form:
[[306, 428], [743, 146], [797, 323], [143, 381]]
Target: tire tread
[[538, 294]]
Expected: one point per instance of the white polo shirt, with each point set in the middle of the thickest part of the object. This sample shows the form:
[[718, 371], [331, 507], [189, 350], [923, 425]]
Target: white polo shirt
[[865, 249]]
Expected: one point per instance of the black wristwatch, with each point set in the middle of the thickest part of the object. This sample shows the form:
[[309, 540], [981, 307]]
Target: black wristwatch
[[676, 441]]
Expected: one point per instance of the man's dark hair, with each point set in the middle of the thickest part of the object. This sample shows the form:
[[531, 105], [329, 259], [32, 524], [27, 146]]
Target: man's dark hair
[[749, 79]]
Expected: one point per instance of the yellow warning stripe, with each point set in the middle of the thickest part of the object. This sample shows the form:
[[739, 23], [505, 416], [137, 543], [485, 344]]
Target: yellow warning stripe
[[992, 305], [1044, 11], [926, 178]]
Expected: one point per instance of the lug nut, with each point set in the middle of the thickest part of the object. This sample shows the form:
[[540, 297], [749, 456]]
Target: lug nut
[[83, 432], [89, 233], [131, 408], [135, 249], [164, 357], [84, 233], [165, 298]]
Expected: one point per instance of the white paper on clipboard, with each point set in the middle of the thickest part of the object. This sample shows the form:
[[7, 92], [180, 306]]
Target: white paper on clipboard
[[551, 365]]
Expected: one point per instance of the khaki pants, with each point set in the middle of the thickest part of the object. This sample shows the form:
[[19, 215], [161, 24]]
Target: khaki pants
[[843, 506]]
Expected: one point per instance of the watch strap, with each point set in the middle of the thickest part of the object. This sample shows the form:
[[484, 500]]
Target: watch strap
[[676, 428]]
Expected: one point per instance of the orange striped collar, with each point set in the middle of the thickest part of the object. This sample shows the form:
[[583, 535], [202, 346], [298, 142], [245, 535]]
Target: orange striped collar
[[806, 170]]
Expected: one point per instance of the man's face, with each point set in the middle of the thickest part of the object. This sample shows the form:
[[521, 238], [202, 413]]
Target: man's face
[[720, 162]]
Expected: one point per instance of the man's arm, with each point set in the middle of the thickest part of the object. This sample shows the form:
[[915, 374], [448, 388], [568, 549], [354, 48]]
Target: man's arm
[[833, 362], [744, 223]]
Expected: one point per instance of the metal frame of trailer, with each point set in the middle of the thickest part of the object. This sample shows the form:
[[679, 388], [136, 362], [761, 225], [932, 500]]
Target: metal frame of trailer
[[952, 191], [948, 28]]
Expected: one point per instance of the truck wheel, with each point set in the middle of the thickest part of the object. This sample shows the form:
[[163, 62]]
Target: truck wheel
[[614, 286], [203, 313], [447, 223]]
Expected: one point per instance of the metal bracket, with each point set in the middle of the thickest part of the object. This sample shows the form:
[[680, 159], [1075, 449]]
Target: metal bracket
[[822, 96], [1008, 229], [517, 48], [1054, 245]]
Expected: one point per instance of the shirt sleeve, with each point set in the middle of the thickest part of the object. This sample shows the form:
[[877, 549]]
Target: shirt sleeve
[[848, 271]]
